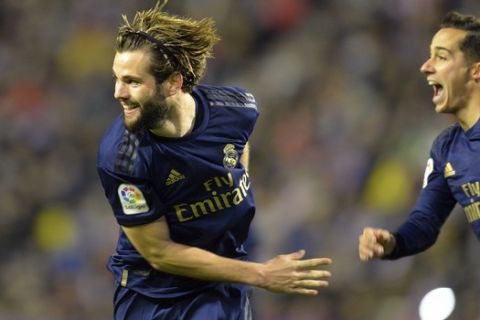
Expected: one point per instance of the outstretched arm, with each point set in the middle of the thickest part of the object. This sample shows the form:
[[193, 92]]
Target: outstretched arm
[[283, 274]]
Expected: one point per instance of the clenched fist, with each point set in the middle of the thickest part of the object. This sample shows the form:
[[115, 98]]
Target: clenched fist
[[375, 243]]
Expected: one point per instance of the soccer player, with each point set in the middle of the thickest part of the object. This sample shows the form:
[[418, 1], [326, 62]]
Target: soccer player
[[453, 172], [174, 170]]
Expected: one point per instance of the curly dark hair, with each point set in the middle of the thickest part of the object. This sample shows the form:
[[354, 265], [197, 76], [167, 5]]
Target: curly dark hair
[[178, 44]]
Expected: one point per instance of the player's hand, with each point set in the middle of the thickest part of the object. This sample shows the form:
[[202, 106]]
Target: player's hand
[[290, 274], [375, 243]]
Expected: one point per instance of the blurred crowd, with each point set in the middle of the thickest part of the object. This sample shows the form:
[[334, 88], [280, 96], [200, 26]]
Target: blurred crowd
[[342, 141]]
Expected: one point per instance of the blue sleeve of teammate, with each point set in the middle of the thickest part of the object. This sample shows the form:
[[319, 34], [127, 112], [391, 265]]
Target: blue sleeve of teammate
[[433, 206]]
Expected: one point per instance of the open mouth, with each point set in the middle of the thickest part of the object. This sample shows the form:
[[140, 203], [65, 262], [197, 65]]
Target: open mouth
[[437, 90], [129, 110]]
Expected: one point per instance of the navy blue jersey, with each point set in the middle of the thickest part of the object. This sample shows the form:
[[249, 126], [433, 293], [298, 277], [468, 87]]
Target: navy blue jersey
[[452, 176], [196, 182]]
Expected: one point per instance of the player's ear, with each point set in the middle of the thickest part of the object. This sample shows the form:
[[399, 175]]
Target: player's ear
[[174, 83], [476, 71]]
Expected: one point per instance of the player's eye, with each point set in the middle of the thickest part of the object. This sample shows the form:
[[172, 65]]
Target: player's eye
[[133, 82]]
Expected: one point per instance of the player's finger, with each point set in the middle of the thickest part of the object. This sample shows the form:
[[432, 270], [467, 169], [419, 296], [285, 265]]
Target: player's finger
[[365, 253], [364, 240], [303, 291], [311, 284], [368, 232], [310, 263], [296, 255], [368, 237], [378, 250], [314, 274], [317, 274], [382, 234]]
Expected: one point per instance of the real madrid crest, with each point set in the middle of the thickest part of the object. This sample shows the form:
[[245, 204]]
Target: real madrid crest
[[230, 157]]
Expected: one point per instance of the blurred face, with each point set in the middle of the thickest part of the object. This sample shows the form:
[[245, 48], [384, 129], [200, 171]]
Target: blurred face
[[136, 89], [447, 71]]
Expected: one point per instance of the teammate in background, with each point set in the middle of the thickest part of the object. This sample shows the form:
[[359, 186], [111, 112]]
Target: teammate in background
[[174, 170], [453, 173]]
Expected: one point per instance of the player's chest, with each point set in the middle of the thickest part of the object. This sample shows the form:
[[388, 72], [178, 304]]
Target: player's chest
[[189, 170], [461, 170]]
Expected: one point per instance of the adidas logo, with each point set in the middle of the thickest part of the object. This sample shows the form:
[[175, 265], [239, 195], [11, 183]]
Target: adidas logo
[[449, 171], [173, 177]]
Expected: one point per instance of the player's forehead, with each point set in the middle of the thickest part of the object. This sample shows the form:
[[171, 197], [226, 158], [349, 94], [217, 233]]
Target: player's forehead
[[447, 39], [136, 62]]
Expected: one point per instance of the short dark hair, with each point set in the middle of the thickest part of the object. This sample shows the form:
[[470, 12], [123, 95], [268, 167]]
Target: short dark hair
[[470, 45]]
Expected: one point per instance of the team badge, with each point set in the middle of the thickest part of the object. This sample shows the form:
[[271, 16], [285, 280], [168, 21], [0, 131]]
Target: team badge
[[132, 199], [230, 158]]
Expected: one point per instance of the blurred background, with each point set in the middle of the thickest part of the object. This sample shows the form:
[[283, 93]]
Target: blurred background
[[342, 142]]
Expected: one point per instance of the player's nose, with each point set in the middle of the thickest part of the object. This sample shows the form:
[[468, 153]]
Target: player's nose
[[427, 66], [120, 91]]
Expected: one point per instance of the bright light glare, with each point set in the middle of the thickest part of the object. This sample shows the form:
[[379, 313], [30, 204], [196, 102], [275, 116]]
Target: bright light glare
[[437, 304]]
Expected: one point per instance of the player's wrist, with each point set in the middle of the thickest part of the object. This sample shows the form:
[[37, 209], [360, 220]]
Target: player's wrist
[[260, 275], [390, 245]]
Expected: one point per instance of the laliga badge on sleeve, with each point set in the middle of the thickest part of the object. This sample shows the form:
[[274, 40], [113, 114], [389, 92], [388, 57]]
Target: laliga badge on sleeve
[[132, 199]]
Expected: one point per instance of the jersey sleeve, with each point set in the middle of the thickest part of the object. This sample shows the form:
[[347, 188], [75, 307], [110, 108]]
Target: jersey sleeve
[[121, 167], [432, 208], [133, 200]]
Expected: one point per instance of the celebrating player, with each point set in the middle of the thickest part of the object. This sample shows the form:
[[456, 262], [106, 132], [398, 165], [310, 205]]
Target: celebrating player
[[174, 170], [452, 174]]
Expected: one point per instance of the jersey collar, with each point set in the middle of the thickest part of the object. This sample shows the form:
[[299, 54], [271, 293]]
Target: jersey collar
[[201, 119], [474, 132]]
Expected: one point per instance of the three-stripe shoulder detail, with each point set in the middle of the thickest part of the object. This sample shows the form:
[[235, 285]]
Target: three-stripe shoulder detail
[[127, 153], [230, 98]]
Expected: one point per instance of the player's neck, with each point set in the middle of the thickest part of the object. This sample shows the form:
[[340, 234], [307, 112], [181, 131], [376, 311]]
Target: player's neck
[[180, 118], [469, 115]]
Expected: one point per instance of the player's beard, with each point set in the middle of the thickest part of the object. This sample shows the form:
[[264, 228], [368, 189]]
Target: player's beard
[[152, 114]]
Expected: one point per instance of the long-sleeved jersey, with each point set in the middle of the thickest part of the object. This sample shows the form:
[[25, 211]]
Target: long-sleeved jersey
[[452, 176], [196, 182]]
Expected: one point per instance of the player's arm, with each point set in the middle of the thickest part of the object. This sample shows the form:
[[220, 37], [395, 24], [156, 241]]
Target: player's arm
[[284, 273], [422, 227], [418, 233]]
